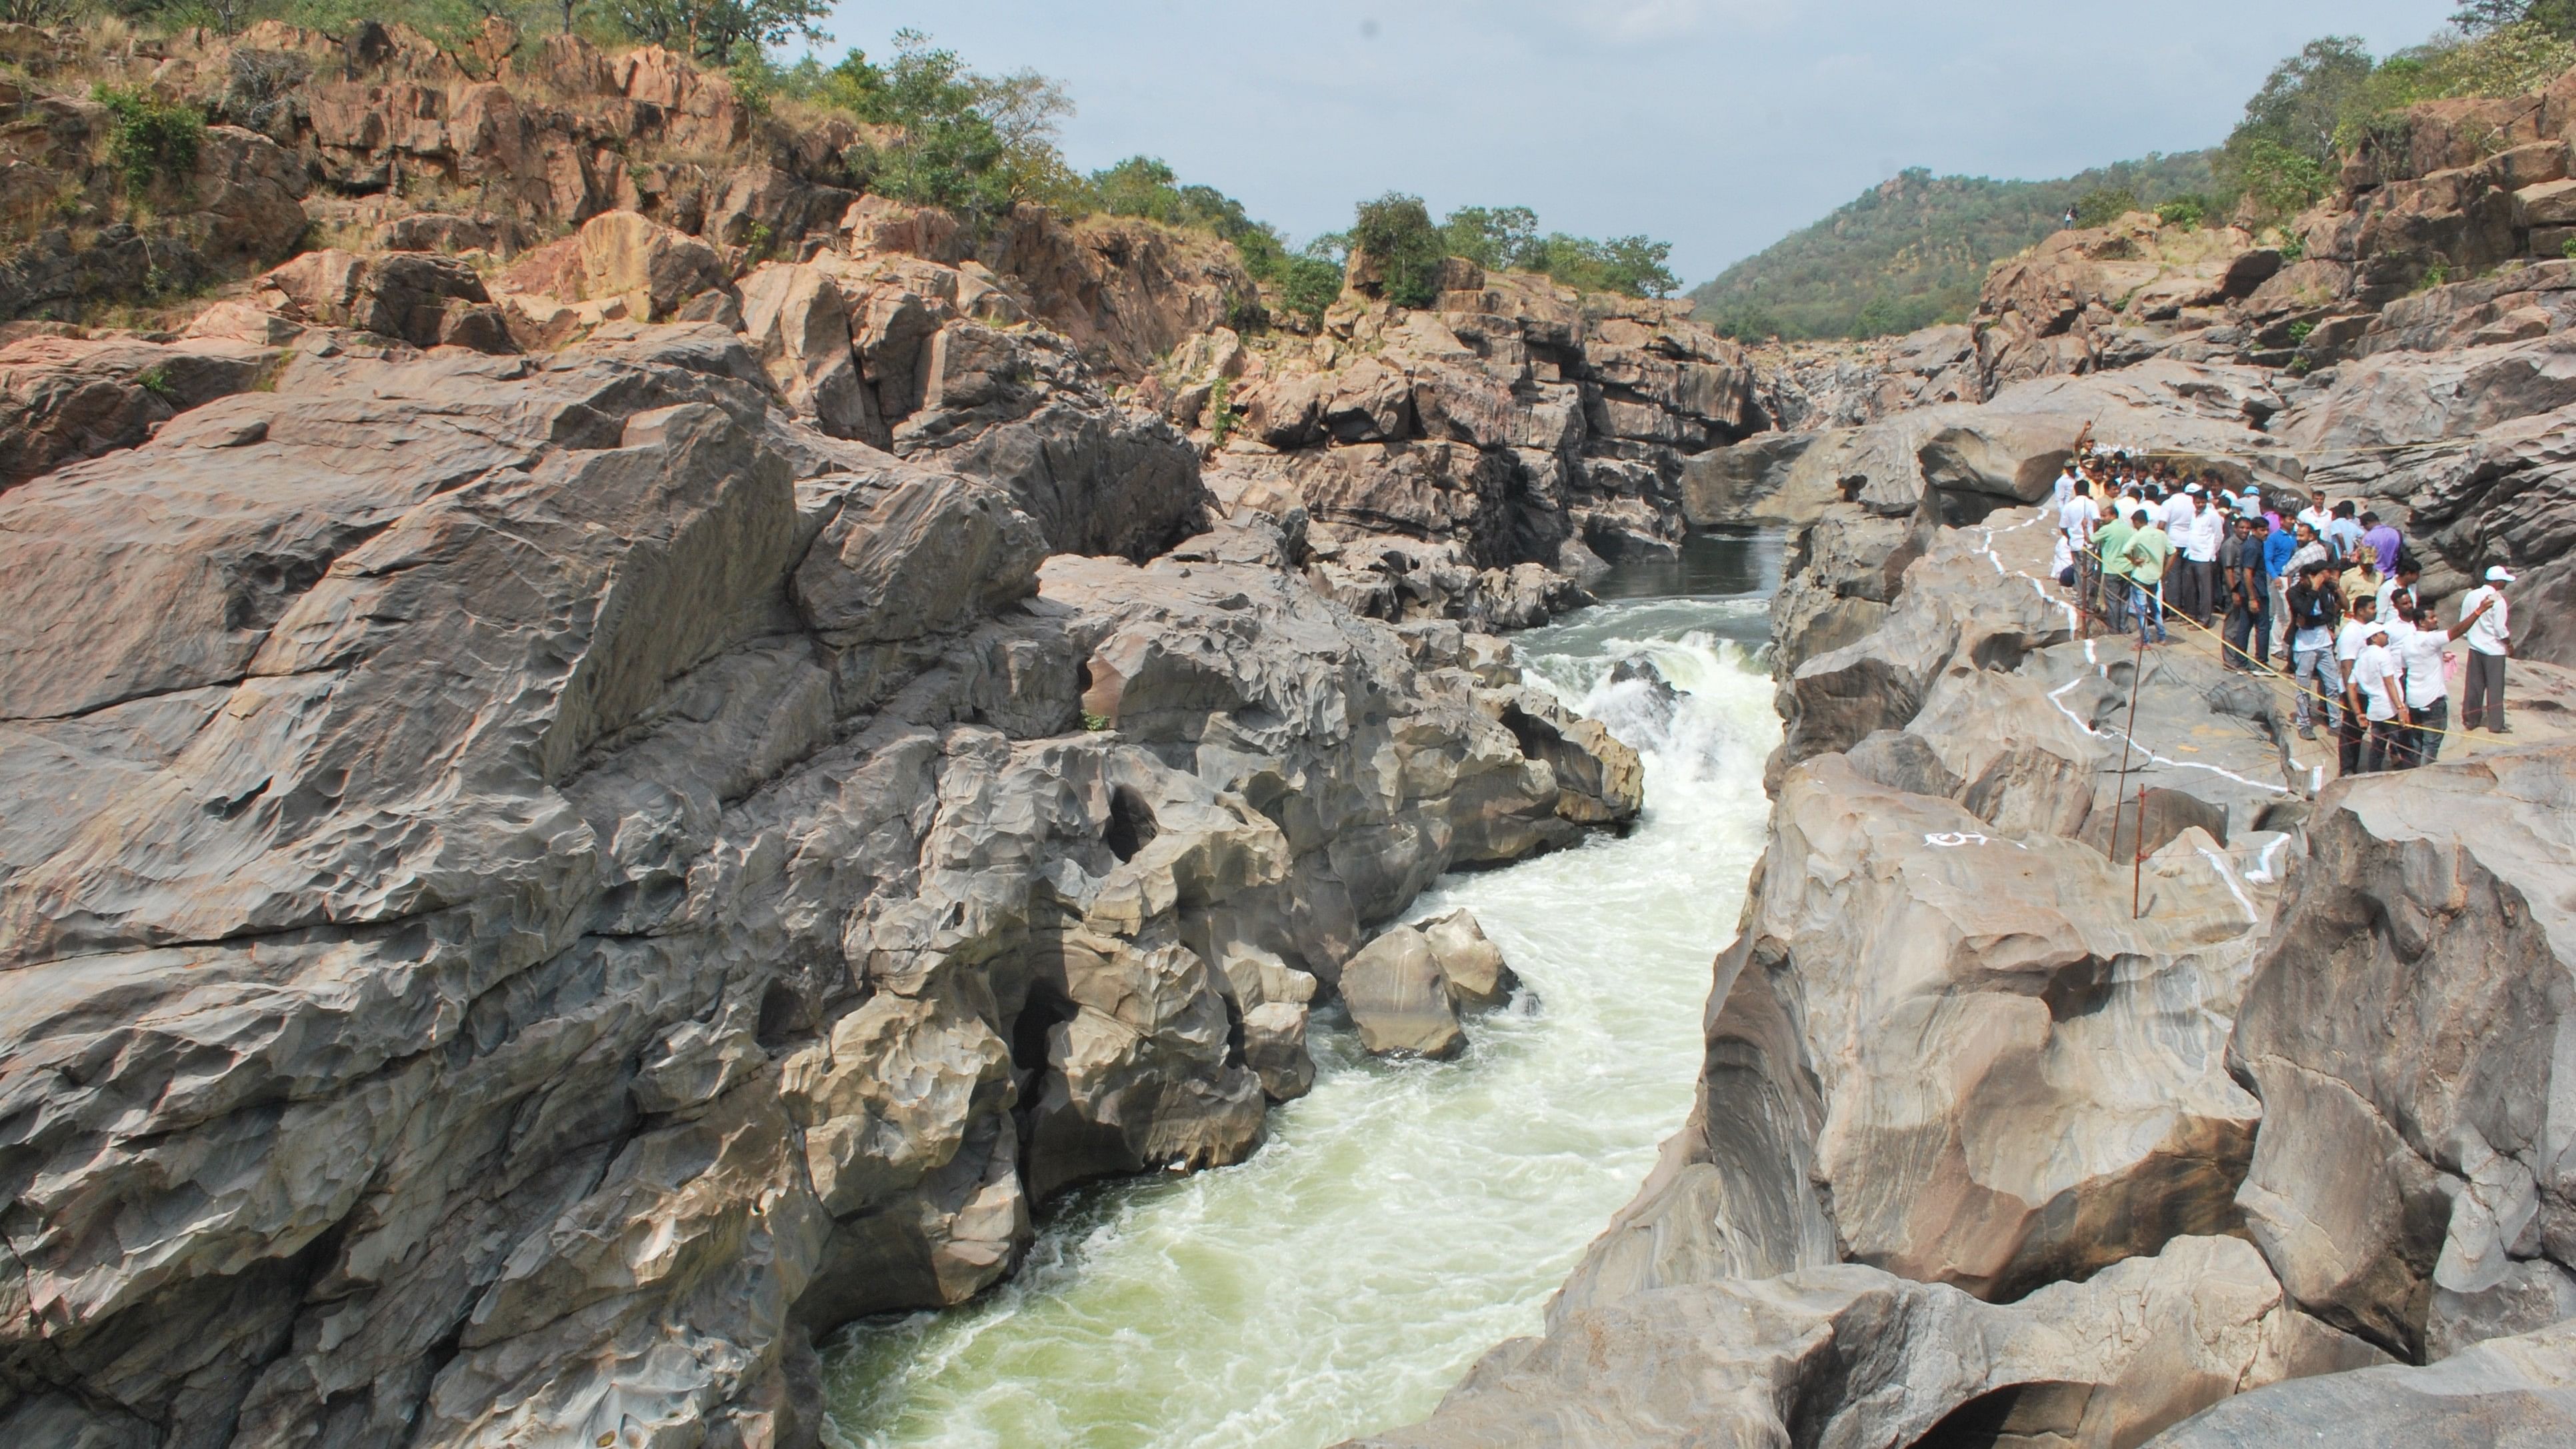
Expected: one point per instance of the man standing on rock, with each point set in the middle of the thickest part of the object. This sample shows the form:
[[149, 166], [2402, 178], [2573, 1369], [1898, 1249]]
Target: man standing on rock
[[2378, 696], [2075, 534], [2278, 545], [2111, 555], [2489, 620], [2350, 640], [2386, 544], [2405, 581], [2148, 551], [2204, 531], [2241, 584], [2343, 533], [2428, 697], [2316, 610]]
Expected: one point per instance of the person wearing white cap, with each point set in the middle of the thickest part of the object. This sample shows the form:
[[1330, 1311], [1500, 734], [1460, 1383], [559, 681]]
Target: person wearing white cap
[[2489, 621], [2379, 689]]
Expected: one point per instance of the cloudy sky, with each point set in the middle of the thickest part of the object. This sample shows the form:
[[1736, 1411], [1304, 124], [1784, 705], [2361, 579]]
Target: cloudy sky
[[1718, 125]]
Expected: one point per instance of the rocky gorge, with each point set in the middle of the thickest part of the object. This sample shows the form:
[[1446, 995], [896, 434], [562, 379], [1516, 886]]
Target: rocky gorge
[[611, 775], [2091, 1065]]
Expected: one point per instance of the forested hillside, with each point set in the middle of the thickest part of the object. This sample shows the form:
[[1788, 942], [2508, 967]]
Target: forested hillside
[[1913, 251]]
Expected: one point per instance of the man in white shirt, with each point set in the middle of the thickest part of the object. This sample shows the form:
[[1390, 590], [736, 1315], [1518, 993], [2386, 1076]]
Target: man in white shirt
[[2403, 583], [2378, 692], [2488, 619], [2351, 638], [2428, 698], [2315, 516], [2202, 533], [2068, 480], [2178, 509]]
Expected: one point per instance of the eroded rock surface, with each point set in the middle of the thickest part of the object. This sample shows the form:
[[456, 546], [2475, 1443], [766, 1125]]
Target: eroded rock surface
[[1852, 1355], [537, 884], [2403, 1030]]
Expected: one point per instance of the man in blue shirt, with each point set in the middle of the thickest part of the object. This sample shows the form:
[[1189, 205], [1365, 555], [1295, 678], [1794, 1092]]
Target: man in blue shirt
[[2278, 545], [2343, 534]]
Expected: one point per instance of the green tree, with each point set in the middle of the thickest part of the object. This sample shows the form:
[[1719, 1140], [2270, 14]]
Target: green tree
[[2183, 211], [2279, 182], [2554, 17], [2305, 99], [1395, 233], [2105, 205], [1504, 238], [712, 30], [1308, 285], [972, 143]]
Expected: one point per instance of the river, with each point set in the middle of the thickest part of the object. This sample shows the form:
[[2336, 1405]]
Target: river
[[1405, 1216]]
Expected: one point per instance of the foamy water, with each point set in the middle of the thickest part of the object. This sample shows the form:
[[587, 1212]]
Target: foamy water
[[1404, 1217]]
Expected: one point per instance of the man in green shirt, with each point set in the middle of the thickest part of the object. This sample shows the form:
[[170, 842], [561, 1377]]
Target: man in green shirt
[[2110, 544], [2147, 551]]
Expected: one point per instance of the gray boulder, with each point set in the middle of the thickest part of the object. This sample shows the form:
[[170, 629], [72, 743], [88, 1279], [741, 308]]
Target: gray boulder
[[2507, 1393], [1399, 999]]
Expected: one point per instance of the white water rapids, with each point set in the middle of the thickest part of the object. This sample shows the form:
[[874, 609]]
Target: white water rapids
[[1404, 1217]]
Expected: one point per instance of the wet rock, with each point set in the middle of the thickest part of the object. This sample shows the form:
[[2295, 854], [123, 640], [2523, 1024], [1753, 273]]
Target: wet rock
[[1274, 1046], [1399, 999], [1879, 903], [1473, 966]]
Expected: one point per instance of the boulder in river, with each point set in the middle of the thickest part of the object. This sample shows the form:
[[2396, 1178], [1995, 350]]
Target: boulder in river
[[1399, 1000], [1472, 965], [1406, 990]]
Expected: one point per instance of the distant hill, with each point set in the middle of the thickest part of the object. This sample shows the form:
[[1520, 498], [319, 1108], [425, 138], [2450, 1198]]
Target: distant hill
[[1914, 251]]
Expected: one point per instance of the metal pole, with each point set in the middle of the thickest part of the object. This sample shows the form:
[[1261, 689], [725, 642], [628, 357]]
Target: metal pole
[[2138, 867], [2137, 667]]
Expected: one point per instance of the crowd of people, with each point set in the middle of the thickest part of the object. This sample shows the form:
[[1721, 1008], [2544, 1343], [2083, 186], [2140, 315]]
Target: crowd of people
[[2326, 596]]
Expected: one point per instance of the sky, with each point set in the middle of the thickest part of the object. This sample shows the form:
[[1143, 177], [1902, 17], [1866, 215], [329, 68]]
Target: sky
[[1717, 125]]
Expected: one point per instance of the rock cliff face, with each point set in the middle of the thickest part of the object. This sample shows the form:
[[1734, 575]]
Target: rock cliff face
[[1479, 459], [385, 145], [556, 854]]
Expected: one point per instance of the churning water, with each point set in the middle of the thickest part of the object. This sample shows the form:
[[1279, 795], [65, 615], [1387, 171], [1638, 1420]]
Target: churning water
[[1405, 1216]]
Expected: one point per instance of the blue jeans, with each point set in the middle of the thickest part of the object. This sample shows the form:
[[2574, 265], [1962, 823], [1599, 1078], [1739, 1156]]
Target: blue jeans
[[2319, 679], [2148, 600]]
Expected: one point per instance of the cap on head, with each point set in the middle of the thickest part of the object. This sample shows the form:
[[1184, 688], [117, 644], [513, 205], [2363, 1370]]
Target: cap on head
[[2499, 575]]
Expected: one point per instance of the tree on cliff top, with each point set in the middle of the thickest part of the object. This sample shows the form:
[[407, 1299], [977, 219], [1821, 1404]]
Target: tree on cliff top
[[2333, 98], [1396, 236], [2554, 17], [1506, 238], [712, 30], [974, 144]]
